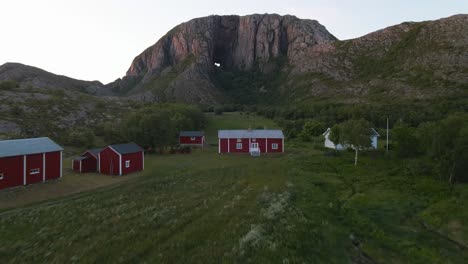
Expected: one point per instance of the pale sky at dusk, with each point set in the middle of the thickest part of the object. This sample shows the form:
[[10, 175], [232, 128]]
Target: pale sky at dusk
[[97, 40]]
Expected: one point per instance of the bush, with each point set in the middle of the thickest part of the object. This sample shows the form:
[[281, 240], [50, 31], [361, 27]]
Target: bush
[[16, 110], [405, 141], [218, 110], [81, 138], [8, 85], [100, 105]]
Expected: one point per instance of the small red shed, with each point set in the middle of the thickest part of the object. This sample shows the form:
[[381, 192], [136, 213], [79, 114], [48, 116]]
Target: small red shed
[[192, 138], [250, 141], [87, 162], [28, 161], [121, 159]]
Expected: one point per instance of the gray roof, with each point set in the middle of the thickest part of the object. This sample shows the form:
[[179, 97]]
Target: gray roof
[[192, 133], [17, 147], [244, 133], [94, 151], [126, 148], [374, 132]]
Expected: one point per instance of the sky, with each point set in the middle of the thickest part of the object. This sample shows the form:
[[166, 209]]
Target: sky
[[98, 39]]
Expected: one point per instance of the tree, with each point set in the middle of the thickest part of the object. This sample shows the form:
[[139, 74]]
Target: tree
[[157, 127], [449, 146], [81, 138], [406, 143], [353, 133], [311, 128]]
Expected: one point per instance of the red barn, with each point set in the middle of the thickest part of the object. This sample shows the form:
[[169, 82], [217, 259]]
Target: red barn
[[250, 141], [121, 159], [28, 161], [192, 138], [87, 162]]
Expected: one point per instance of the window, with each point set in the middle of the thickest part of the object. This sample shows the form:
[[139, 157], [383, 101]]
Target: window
[[274, 146], [127, 164], [239, 146], [192, 138], [1, 176], [34, 171]]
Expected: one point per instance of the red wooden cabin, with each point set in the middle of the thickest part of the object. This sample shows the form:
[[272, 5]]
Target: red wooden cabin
[[28, 161], [87, 162], [250, 141], [192, 138], [121, 159]]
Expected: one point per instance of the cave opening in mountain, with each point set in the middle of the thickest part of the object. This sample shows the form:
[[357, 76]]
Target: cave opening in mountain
[[221, 55]]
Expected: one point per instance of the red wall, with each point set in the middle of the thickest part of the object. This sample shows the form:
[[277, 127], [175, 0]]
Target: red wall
[[12, 169], [109, 162], [223, 145], [53, 165], [76, 165], [262, 144], [188, 141], [233, 142], [89, 164], [278, 141], [33, 161], [136, 162]]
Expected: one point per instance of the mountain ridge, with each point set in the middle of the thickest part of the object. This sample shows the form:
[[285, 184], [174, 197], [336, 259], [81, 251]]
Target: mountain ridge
[[283, 57]]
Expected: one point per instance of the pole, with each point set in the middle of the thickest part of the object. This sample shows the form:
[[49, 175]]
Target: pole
[[387, 134]]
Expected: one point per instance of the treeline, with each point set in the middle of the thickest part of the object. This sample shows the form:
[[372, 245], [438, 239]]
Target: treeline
[[444, 143], [154, 127]]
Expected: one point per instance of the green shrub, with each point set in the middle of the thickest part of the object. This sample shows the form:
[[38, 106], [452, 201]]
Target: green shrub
[[81, 138], [218, 110], [8, 85]]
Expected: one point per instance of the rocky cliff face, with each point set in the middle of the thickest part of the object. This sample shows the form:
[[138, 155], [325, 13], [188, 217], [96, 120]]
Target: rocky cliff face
[[417, 60], [179, 65]]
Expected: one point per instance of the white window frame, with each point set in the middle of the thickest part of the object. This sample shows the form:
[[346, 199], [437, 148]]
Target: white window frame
[[192, 138], [2, 176], [238, 145], [34, 171], [127, 164], [274, 146]]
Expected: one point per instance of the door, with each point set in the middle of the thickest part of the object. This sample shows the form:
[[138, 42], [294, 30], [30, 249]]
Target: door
[[254, 145]]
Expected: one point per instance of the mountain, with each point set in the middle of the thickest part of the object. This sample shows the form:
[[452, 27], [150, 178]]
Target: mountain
[[34, 102], [28, 76], [413, 60], [269, 61], [181, 65], [283, 59]]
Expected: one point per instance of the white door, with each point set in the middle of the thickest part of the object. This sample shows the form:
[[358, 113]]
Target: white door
[[254, 145]]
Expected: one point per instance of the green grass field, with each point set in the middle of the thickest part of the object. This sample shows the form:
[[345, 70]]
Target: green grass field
[[300, 207]]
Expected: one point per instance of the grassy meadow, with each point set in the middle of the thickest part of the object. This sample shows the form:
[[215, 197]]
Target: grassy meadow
[[305, 206]]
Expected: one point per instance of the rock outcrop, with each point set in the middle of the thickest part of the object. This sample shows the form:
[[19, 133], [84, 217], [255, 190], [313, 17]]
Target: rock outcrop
[[179, 65]]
